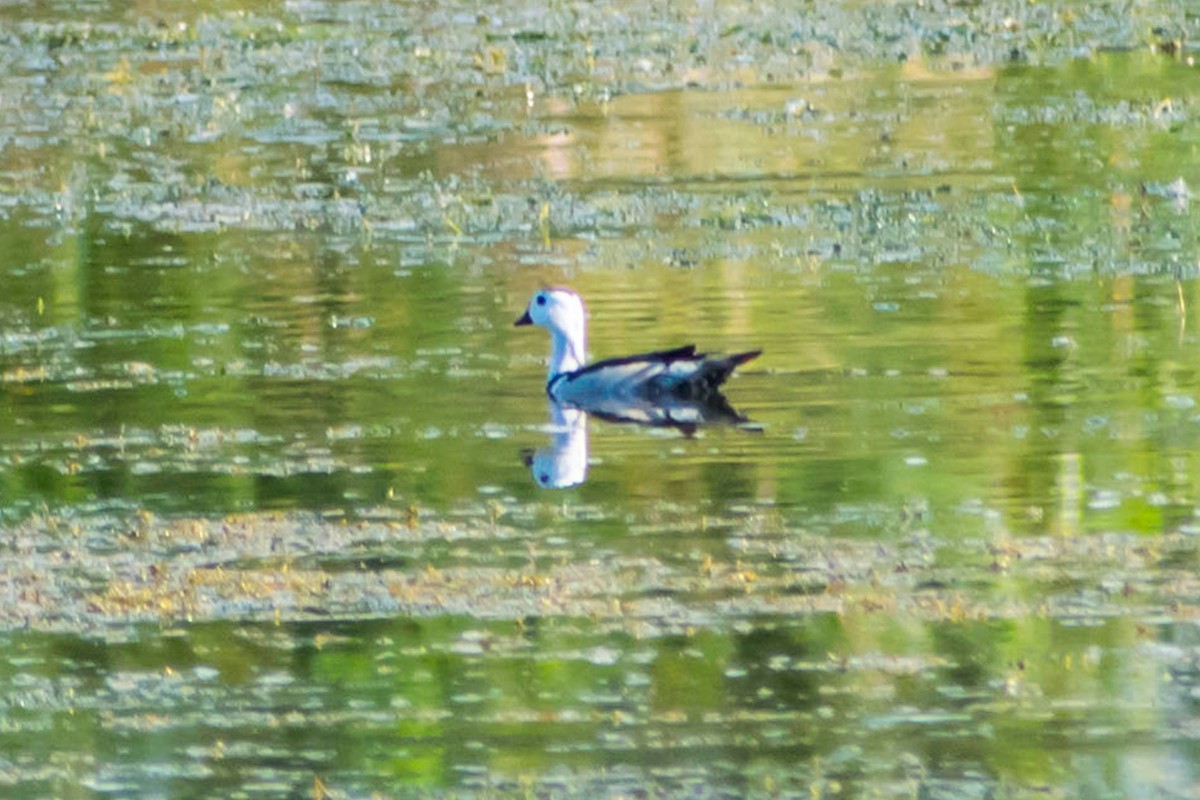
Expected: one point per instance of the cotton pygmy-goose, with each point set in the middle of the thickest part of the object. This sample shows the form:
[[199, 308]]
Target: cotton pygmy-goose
[[661, 375]]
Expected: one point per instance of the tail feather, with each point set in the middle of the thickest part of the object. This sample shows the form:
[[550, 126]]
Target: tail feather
[[714, 372]]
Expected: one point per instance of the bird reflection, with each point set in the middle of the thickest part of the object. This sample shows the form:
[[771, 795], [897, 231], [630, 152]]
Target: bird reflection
[[564, 462]]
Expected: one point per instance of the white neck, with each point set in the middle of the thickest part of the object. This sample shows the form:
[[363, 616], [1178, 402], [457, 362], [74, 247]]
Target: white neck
[[566, 351]]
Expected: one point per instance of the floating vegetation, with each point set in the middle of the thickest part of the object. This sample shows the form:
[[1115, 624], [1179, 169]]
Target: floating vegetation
[[446, 629], [291, 568]]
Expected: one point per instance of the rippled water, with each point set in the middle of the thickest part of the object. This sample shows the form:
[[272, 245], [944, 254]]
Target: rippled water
[[270, 526]]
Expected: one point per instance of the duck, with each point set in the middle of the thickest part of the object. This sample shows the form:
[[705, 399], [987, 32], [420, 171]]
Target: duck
[[656, 377]]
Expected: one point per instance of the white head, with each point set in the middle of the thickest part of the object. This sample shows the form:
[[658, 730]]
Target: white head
[[562, 312]]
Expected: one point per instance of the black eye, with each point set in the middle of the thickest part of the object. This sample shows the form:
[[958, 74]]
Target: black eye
[[543, 479], [541, 299]]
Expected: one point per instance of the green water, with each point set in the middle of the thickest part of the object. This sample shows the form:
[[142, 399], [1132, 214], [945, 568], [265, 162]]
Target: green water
[[268, 524]]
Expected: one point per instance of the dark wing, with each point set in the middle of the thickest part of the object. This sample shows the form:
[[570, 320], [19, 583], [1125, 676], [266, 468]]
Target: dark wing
[[685, 353], [681, 372]]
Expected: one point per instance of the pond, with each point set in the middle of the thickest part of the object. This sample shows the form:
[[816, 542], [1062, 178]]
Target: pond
[[286, 510]]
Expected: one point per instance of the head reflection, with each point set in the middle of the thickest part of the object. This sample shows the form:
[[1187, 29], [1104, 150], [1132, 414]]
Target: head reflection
[[564, 462]]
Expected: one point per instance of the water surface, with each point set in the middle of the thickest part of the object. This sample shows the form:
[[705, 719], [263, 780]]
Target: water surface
[[268, 524]]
